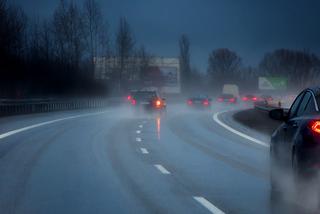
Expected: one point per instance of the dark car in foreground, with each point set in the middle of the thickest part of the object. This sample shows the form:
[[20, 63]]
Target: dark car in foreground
[[295, 145], [200, 101], [146, 100], [227, 98]]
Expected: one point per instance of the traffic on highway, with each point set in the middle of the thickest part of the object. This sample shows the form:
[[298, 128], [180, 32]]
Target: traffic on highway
[[171, 106]]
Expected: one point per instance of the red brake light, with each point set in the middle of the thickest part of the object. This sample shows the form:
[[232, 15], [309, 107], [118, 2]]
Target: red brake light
[[129, 97], [158, 103], [133, 102], [254, 98], [315, 126], [206, 102], [189, 102], [232, 100], [244, 98]]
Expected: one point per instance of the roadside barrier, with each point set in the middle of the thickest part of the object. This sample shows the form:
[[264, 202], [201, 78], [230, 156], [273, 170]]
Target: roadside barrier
[[27, 106]]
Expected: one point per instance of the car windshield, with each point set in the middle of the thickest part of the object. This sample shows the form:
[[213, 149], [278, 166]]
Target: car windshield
[[159, 106]]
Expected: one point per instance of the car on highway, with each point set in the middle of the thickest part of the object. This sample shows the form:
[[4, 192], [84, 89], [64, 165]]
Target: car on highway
[[227, 98], [295, 144], [249, 98], [199, 101], [147, 100]]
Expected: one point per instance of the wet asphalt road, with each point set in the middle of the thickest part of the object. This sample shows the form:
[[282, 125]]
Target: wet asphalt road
[[115, 161]]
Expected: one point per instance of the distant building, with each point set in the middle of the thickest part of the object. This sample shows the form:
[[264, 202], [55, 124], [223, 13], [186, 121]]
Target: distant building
[[163, 73]]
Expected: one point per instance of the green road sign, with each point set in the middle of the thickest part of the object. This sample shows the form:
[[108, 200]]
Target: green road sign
[[273, 83]]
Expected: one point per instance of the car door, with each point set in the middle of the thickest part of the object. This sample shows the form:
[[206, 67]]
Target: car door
[[293, 125], [283, 145]]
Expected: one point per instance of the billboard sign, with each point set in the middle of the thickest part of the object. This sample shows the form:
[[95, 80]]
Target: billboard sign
[[273, 83]]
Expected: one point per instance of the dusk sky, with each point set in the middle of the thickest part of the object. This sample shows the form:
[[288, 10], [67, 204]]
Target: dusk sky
[[249, 27]]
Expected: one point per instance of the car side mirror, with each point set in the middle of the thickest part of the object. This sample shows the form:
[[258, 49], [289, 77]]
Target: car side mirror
[[278, 114]]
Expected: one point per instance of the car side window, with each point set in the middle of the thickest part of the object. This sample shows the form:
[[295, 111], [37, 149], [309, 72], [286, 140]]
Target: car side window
[[295, 105], [310, 107], [302, 107]]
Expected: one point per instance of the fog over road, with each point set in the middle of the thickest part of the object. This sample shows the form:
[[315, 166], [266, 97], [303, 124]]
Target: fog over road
[[117, 162]]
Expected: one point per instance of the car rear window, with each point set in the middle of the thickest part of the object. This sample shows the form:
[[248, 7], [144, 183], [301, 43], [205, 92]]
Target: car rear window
[[143, 95], [226, 96]]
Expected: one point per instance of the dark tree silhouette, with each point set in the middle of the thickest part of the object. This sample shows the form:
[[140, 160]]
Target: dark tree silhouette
[[184, 58], [124, 48]]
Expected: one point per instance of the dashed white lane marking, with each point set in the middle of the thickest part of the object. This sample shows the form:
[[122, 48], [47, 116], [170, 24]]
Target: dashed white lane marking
[[254, 140], [13, 132], [138, 131], [138, 139], [140, 126], [162, 169], [144, 151], [204, 202]]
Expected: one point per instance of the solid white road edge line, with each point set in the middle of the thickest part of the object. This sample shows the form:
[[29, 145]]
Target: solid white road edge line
[[144, 151], [13, 132], [204, 202], [162, 169], [254, 140], [138, 139]]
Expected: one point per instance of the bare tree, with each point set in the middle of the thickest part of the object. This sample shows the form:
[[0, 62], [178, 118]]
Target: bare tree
[[184, 45], [124, 47], [300, 67], [97, 31], [224, 66], [69, 34], [144, 59]]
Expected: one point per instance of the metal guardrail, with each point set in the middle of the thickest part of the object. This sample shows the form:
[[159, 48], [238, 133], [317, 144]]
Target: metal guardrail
[[265, 106], [15, 107]]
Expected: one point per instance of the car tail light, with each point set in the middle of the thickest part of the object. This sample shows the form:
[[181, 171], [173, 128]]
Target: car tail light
[[189, 102], [129, 97], [245, 98], [254, 98], [315, 126], [133, 102], [158, 103], [232, 100], [205, 102], [220, 99]]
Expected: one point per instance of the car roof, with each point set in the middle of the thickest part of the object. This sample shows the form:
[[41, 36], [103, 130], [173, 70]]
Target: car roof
[[315, 90]]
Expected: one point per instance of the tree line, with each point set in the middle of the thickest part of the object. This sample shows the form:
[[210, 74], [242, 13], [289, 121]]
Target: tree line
[[301, 68], [56, 56]]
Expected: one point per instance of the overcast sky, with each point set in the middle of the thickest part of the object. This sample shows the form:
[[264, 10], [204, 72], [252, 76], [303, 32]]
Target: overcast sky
[[249, 27]]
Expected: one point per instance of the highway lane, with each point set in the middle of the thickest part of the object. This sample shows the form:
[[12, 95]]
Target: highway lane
[[117, 162]]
